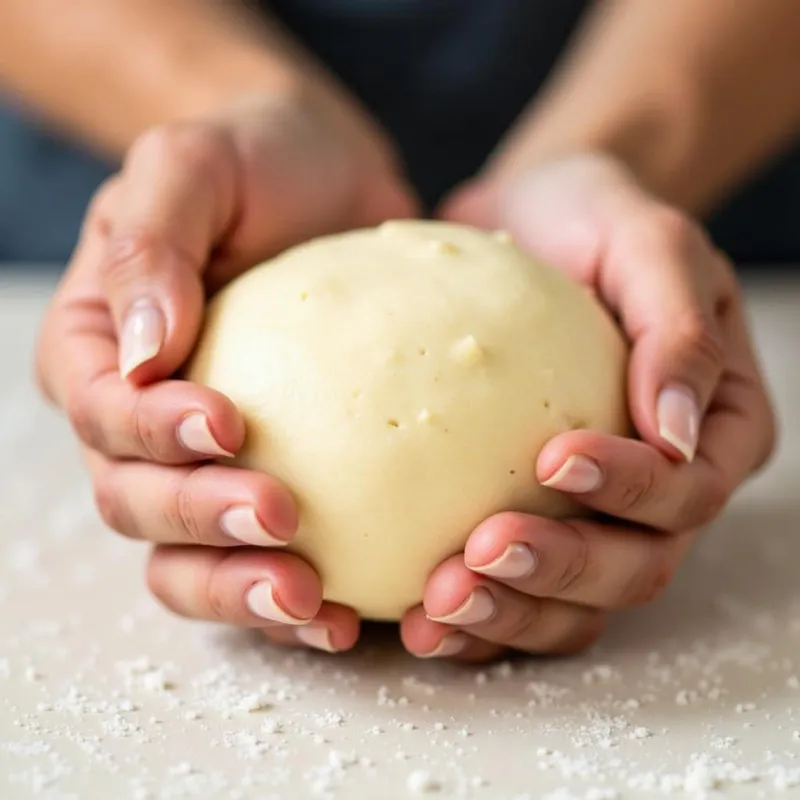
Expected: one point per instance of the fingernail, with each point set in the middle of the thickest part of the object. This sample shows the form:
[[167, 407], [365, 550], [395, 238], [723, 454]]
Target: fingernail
[[678, 414], [316, 637], [142, 336], [478, 607], [242, 523], [450, 645], [578, 475], [516, 561], [261, 601], [195, 434]]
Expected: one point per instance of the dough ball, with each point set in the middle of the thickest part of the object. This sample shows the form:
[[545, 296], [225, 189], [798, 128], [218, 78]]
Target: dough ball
[[401, 381]]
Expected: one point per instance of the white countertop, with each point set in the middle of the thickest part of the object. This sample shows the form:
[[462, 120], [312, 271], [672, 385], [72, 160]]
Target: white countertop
[[104, 695]]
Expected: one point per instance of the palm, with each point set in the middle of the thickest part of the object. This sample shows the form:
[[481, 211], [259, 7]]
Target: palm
[[558, 212]]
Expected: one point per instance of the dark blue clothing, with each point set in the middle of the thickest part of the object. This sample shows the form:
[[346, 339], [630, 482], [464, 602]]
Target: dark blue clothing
[[446, 77]]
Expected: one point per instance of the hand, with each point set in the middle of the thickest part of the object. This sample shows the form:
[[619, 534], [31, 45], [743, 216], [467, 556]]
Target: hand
[[194, 205], [696, 397]]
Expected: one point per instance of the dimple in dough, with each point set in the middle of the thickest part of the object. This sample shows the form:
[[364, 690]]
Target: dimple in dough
[[401, 381]]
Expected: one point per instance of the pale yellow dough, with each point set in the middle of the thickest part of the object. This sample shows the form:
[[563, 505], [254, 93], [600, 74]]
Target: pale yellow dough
[[401, 381]]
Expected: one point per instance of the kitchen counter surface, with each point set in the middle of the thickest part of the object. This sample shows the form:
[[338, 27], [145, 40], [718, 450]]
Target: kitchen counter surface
[[104, 695]]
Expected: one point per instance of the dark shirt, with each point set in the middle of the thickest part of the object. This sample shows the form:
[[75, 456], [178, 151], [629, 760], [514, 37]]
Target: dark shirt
[[446, 77]]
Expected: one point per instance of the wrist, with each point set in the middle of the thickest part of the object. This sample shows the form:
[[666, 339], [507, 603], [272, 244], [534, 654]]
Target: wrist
[[210, 72], [240, 77], [624, 141], [184, 61]]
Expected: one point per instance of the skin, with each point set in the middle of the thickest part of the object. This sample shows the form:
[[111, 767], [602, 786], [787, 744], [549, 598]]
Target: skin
[[110, 70], [221, 183], [692, 97]]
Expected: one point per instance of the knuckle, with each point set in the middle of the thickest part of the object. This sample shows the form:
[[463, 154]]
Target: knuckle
[[145, 435], [649, 582], [216, 596], [516, 629], [701, 508], [700, 336], [183, 512], [638, 491], [130, 256], [575, 568], [649, 585], [217, 606]]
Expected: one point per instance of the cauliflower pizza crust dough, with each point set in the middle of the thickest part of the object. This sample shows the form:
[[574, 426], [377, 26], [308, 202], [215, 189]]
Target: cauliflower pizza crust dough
[[401, 381]]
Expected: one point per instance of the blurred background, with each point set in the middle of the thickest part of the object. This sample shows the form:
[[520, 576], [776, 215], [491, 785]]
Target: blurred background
[[424, 58]]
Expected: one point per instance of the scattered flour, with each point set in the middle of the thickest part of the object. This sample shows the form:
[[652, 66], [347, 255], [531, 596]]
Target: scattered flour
[[421, 782]]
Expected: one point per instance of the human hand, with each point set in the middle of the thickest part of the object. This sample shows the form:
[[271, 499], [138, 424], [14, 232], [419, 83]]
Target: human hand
[[697, 400], [194, 205]]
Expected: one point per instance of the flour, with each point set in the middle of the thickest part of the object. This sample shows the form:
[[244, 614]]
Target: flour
[[421, 782], [600, 729]]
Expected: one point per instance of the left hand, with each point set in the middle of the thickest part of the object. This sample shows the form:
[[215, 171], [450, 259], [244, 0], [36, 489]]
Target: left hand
[[697, 399], [195, 204]]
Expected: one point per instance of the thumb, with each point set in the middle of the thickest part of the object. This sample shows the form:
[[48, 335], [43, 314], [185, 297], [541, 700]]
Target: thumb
[[175, 199]]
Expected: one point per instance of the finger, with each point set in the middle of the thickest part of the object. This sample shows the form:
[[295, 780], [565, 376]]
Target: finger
[[737, 437], [76, 341], [177, 199], [173, 422], [427, 639], [575, 561], [334, 629], [658, 273], [739, 433], [457, 597], [207, 505], [632, 480], [248, 588], [668, 286]]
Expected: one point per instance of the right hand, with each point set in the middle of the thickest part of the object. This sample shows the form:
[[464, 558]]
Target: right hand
[[194, 205]]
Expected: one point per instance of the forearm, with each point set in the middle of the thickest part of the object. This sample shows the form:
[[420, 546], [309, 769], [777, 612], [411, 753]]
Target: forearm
[[693, 96], [109, 69]]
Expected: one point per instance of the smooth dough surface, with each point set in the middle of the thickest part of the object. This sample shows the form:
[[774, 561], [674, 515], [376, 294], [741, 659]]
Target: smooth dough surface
[[401, 381]]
